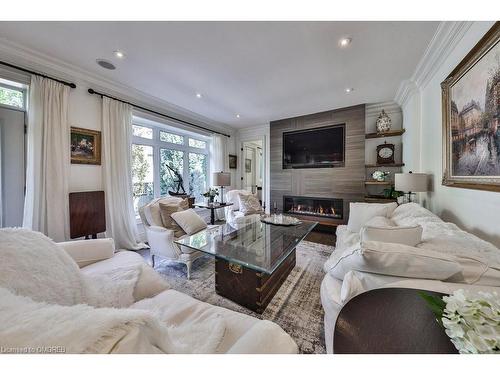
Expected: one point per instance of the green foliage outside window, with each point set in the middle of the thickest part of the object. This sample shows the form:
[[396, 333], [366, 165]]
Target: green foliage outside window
[[142, 166], [197, 175], [11, 97]]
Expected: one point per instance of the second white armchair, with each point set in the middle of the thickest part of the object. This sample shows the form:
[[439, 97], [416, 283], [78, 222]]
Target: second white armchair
[[161, 239]]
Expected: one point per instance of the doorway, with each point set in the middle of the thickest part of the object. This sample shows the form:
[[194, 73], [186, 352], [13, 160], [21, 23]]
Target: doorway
[[252, 168], [12, 167]]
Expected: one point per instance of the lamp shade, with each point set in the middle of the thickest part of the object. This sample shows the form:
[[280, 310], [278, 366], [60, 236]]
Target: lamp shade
[[410, 182], [222, 179]]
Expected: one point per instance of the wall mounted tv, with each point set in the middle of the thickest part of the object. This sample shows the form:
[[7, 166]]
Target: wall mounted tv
[[314, 148]]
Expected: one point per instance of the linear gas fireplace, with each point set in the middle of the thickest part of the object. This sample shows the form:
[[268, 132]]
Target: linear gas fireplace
[[324, 207]]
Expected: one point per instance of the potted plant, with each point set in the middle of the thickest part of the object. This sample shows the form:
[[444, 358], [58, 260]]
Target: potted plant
[[211, 194]]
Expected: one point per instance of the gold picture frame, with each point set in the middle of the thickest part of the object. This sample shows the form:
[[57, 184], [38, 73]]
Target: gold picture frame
[[470, 116], [85, 146]]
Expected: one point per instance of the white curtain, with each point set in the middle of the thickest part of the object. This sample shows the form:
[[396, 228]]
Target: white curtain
[[116, 174], [46, 206], [219, 162]]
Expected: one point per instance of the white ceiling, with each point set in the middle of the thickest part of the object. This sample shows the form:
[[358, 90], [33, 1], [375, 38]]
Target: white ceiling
[[261, 70]]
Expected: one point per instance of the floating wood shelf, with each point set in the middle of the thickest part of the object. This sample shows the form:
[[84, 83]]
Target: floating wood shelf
[[392, 133], [377, 198], [373, 182], [385, 165]]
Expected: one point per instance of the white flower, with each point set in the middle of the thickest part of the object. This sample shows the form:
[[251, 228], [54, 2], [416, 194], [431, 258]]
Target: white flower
[[472, 321]]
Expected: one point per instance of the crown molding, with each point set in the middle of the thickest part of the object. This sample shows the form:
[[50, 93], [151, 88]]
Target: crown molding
[[15, 53], [374, 109], [445, 39], [406, 89]]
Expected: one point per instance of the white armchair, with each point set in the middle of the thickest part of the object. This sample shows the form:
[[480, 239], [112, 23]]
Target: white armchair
[[161, 240]]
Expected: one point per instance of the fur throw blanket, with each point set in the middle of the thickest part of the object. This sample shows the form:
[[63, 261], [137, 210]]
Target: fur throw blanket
[[33, 327], [50, 275], [46, 301]]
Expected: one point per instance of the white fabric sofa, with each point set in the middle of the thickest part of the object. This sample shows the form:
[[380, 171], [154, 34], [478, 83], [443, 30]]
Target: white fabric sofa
[[437, 236], [38, 296]]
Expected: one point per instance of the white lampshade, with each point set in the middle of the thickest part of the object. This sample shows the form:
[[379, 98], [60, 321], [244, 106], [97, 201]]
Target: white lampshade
[[410, 182], [222, 179]]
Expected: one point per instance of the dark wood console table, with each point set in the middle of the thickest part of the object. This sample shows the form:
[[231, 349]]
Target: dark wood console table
[[390, 321]]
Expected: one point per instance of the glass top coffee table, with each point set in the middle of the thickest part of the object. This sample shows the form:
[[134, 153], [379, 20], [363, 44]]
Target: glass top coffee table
[[252, 258]]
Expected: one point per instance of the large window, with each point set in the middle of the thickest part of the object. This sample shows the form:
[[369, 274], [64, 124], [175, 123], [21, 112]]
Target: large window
[[160, 156]]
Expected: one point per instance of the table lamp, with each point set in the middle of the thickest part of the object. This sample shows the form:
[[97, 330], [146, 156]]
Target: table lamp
[[410, 183], [222, 179]]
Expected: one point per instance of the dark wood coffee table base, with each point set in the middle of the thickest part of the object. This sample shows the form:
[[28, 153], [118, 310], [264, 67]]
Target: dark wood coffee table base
[[249, 288]]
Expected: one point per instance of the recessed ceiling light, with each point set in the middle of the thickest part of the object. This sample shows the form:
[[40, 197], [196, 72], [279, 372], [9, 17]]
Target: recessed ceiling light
[[119, 54], [105, 64], [237, 116], [349, 89], [344, 42], [198, 95]]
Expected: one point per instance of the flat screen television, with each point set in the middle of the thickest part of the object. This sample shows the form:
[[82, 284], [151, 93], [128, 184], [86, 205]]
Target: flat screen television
[[314, 148]]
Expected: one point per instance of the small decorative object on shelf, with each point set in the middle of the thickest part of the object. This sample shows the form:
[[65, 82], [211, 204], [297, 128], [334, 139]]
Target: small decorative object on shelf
[[280, 219], [471, 320], [385, 153], [211, 194], [383, 122], [380, 175]]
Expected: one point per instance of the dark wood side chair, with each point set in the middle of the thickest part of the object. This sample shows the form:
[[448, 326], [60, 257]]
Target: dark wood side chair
[[389, 321]]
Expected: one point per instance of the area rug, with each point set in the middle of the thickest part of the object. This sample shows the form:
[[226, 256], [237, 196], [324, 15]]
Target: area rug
[[296, 307]]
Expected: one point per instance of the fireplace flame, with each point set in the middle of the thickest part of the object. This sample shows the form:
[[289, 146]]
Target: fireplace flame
[[310, 209]]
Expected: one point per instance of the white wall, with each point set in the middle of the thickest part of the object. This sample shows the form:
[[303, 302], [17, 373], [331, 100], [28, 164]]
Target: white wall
[[84, 112], [473, 210]]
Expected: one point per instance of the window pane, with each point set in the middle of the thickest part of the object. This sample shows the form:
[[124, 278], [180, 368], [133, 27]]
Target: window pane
[[11, 97], [142, 131], [142, 175], [196, 143], [168, 179], [171, 138], [197, 175]]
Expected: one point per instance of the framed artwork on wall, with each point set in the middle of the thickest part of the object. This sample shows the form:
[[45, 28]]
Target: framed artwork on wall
[[85, 146], [233, 161], [471, 118]]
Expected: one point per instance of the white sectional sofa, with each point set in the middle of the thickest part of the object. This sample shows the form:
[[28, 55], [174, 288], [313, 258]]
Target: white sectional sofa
[[97, 300], [437, 236]]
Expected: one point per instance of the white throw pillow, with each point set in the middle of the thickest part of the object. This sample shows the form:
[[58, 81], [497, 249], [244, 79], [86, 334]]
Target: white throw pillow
[[393, 260], [249, 204], [189, 221], [379, 222], [360, 213], [410, 236]]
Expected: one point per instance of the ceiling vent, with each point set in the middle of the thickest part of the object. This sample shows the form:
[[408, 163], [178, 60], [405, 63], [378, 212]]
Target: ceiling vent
[[105, 64]]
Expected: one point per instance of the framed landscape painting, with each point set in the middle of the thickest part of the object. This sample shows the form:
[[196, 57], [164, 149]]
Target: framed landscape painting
[[471, 118], [85, 146]]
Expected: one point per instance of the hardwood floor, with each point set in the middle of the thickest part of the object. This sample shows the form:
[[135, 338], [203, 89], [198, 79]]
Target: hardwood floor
[[324, 238]]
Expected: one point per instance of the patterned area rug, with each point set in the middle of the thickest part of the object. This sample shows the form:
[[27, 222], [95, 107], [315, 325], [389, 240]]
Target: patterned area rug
[[296, 307]]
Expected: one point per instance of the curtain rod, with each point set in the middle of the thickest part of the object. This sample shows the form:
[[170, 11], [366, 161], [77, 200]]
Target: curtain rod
[[70, 84], [93, 92]]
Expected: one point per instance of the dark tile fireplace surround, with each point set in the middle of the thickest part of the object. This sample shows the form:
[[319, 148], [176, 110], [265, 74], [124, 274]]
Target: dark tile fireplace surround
[[315, 187]]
